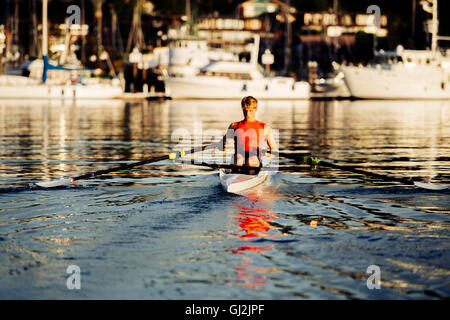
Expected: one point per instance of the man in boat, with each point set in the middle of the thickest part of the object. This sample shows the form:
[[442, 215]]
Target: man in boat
[[249, 136]]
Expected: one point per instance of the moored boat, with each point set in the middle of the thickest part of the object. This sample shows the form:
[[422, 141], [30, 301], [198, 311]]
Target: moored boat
[[19, 87], [45, 79], [405, 74], [233, 80]]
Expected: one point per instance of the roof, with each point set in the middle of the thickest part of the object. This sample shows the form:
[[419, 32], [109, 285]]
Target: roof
[[230, 67], [254, 8]]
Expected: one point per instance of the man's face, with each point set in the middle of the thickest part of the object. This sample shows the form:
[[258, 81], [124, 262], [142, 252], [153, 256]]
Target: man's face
[[250, 110], [250, 113]]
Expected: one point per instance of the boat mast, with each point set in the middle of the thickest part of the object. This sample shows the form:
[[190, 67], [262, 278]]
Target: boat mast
[[44, 39], [136, 36], [255, 50], [188, 16], [435, 22], [16, 45], [287, 39], [413, 23], [35, 49], [83, 37], [434, 28], [44, 28], [335, 39], [99, 15]]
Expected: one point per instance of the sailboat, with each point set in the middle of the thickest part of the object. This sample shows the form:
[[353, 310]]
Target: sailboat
[[404, 74], [22, 87]]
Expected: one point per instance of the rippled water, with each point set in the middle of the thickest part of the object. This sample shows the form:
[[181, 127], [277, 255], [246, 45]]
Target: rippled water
[[168, 231]]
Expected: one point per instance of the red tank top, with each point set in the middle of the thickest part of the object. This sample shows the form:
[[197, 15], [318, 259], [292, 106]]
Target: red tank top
[[248, 136]]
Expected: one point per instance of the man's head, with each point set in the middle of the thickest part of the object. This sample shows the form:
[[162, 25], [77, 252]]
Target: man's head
[[249, 106], [249, 103]]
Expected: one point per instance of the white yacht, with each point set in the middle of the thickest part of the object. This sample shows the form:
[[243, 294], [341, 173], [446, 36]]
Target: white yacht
[[60, 84], [233, 80], [20, 87], [403, 74], [187, 55]]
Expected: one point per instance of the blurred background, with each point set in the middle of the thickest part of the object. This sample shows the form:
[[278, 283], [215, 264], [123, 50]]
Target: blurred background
[[303, 39]]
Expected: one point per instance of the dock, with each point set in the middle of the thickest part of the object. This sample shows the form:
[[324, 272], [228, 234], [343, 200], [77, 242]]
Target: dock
[[144, 96]]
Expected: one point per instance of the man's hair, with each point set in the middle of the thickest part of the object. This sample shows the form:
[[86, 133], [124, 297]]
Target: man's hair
[[249, 102]]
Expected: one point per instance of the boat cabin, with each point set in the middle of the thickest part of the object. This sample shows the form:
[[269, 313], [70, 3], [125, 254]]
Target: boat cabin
[[412, 58], [233, 70]]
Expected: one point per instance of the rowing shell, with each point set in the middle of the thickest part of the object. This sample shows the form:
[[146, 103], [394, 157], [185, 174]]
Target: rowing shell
[[238, 182]]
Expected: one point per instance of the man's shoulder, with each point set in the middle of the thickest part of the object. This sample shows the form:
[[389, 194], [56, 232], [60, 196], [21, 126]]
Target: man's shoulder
[[265, 125], [234, 124]]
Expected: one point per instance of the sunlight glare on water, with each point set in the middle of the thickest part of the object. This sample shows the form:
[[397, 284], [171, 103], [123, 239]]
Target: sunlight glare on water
[[168, 231]]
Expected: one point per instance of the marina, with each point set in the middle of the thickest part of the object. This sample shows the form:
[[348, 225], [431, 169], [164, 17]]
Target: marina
[[224, 150]]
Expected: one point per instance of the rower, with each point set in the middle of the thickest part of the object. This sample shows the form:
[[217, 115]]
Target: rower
[[248, 136]]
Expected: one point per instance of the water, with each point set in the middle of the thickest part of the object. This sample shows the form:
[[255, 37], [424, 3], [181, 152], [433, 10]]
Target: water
[[168, 231]]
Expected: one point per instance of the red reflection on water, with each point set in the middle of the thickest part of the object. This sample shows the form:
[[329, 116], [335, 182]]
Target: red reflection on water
[[254, 223]]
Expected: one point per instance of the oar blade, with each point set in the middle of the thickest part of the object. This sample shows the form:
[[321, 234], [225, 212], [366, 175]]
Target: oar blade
[[430, 186], [55, 183]]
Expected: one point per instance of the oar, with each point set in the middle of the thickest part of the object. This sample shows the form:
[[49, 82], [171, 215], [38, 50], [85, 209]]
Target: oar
[[307, 159], [173, 155]]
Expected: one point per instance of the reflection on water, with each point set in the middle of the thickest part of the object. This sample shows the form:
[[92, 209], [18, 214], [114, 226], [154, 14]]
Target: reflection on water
[[169, 231], [254, 223], [48, 139]]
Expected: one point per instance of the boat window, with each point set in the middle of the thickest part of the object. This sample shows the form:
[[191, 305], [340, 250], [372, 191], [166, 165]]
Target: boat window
[[237, 76], [245, 76], [231, 75]]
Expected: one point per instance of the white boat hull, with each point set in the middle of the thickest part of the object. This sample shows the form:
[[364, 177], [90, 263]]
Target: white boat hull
[[235, 182], [17, 87], [205, 87], [400, 82], [60, 92]]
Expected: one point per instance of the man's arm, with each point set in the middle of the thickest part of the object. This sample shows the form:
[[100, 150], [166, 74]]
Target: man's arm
[[273, 146]]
